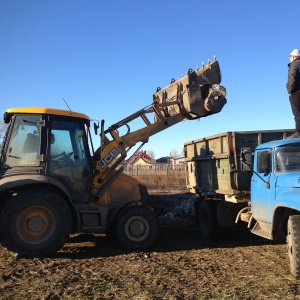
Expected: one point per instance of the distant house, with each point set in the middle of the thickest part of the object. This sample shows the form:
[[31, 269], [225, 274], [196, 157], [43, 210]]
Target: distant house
[[165, 160], [178, 161], [141, 158]]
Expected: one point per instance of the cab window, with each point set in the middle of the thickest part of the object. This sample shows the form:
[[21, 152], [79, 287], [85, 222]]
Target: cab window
[[24, 144], [69, 156], [264, 162]]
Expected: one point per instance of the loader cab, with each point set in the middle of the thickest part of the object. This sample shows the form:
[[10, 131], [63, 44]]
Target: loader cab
[[47, 146]]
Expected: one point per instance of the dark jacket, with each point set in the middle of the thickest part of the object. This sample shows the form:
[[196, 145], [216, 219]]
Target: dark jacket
[[293, 84]]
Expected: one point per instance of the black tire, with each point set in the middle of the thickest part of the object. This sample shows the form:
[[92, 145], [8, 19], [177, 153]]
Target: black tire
[[293, 244], [137, 228], [35, 223], [208, 223]]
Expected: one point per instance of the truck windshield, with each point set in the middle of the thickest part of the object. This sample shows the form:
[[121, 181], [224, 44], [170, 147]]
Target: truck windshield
[[288, 159]]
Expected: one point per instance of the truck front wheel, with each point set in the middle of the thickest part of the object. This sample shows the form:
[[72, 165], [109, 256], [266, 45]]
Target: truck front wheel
[[208, 223], [35, 223], [293, 244], [137, 228]]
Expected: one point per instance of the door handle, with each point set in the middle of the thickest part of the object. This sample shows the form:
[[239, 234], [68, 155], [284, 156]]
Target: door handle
[[254, 180]]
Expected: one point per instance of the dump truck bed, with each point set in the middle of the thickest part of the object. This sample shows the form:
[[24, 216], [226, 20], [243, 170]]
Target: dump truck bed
[[213, 163]]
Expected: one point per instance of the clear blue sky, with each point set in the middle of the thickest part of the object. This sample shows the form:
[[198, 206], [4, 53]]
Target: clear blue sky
[[106, 58]]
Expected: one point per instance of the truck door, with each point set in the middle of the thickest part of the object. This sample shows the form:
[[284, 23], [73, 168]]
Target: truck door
[[263, 187]]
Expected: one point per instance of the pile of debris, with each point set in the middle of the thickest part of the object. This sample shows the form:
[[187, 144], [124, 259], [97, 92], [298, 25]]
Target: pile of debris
[[173, 207]]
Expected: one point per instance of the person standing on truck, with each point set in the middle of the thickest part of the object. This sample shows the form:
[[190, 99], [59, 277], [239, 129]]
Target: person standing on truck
[[293, 88]]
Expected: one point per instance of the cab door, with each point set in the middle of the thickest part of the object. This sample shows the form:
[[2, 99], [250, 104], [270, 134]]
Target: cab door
[[263, 187], [70, 159]]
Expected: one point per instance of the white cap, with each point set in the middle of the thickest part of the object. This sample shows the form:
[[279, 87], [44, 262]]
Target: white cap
[[295, 52]]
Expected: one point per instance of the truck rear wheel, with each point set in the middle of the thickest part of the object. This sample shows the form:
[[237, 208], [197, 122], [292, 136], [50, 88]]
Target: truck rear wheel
[[293, 244], [137, 228], [208, 223], [35, 223]]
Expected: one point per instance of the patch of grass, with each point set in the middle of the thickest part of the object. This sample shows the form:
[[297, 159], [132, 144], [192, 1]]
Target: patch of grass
[[158, 181]]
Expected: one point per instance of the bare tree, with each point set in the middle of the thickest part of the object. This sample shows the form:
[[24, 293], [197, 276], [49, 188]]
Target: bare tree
[[151, 153], [174, 153]]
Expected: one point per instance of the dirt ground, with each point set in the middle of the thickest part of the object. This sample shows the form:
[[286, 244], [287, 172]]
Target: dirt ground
[[180, 265]]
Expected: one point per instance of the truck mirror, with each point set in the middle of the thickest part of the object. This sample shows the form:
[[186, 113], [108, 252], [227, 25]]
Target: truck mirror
[[246, 159]]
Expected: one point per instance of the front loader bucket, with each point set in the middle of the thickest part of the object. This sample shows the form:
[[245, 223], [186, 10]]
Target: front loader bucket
[[196, 95]]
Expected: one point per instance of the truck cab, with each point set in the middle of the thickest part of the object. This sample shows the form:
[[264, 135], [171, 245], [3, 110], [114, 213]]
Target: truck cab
[[275, 187], [275, 195]]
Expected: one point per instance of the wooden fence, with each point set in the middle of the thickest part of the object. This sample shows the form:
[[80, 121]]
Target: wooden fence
[[157, 169]]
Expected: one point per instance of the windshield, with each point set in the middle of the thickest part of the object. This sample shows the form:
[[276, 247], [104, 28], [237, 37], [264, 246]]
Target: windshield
[[288, 159]]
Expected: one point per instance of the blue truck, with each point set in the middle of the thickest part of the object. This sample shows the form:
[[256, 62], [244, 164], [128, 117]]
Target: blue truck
[[251, 176]]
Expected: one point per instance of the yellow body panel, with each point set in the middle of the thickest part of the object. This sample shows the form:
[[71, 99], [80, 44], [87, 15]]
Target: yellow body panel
[[123, 190], [44, 110]]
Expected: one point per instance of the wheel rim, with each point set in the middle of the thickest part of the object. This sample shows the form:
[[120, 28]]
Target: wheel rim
[[137, 228], [35, 224]]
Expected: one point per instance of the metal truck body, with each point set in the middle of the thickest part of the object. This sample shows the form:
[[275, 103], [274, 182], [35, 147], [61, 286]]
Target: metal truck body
[[248, 176]]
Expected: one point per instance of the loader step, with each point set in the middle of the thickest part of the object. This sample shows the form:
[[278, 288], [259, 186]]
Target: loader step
[[92, 218]]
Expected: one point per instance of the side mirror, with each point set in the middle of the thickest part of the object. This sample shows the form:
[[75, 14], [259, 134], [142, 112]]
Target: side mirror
[[246, 159], [96, 127]]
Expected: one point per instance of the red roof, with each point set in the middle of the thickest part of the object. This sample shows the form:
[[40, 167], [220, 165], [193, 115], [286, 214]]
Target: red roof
[[144, 156]]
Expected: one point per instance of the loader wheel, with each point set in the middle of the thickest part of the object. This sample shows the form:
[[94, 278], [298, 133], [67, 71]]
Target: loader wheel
[[293, 244], [35, 223], [208, 223], [137, 228]]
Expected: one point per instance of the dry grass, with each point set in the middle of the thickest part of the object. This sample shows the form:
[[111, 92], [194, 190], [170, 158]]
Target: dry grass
[[172, 181], [159, 176]]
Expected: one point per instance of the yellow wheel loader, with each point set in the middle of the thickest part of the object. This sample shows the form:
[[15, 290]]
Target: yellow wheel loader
[[53, 183]]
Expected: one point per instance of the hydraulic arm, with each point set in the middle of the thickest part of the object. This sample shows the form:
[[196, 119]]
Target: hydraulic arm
[[196, 95]]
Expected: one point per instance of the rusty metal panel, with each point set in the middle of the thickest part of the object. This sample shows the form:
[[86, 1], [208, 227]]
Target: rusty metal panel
[[195, 95], [210, 146]]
